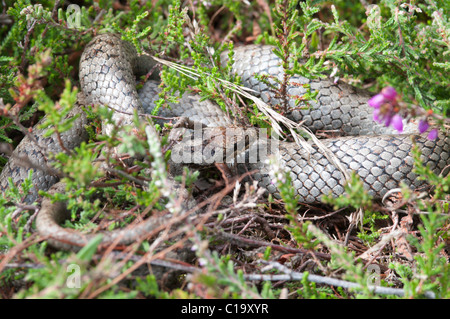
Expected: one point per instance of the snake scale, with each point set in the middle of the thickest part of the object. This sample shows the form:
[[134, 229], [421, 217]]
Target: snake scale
[[108, 68]]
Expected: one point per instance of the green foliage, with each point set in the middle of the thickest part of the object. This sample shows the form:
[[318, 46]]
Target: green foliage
[[355, 195], [289, 49], [398, 41], [403, 45], [13, 227], [344, 260], [78, 166], [399, 47], [201, 50], [16, 193], [432, 270], [88, 251], [309, 290], [298, 229], [370, 235], [148, 286], [57, 121], [234, 8], [223, 281], [440, 183], [130, 35]]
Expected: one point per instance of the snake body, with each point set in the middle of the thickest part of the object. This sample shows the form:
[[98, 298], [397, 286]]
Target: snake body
[[107, 77], [31, 149]]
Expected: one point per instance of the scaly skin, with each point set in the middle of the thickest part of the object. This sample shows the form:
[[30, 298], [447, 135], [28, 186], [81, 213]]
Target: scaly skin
[[43, 179], [107, 69], [339, 106], [382, 162]]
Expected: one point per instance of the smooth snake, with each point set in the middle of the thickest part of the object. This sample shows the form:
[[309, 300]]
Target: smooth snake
[[108, 69]]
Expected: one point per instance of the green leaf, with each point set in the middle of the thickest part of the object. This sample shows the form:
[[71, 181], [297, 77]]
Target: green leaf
[[86, 253]]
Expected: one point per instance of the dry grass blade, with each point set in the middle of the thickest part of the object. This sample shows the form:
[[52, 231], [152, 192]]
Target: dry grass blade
[[274, 117]]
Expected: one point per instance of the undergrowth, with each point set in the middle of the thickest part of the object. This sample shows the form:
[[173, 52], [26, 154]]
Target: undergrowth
[[242, 235]]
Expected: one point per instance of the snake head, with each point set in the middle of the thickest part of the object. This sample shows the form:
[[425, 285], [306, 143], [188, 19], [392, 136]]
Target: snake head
[[207, 146]]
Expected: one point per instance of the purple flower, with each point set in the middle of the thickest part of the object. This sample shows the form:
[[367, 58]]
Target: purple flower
[[433, 134], [397, 123], [376, 101], [386, 109], [388, 119], [423, 126], [376, 116], [389, 93]]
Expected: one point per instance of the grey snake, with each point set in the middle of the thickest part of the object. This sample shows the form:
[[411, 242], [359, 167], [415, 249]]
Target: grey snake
[[108, 70]]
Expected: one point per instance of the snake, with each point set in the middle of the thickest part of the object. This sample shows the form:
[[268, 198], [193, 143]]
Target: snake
[[108, 69]]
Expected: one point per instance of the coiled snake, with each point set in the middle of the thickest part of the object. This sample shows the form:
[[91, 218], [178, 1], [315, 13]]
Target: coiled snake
[[107, 76]]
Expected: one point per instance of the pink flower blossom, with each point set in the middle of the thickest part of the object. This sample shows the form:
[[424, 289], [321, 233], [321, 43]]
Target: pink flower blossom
[[389, 93], [387, 119], [433, 134], [423, 126], [385, 108], [376, 116], [397, 123], [376, 101]]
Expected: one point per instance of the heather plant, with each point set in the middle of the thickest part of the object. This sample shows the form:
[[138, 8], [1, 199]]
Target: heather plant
[[397, 50]]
